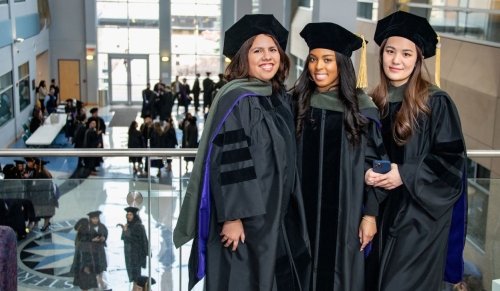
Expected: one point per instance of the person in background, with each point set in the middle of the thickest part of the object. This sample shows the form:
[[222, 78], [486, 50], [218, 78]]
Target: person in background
[[242, 207], [190, 131], [218, 85], [135, 141], [146, 130], [184, 97], [69, 128], [156, 142], [196, 92], [426, 204], [91, 141], [339, 138], [80, 128], [169, 140], [100, 130], [98, 236], [135, 243], [54, 86], [50, 101], [37, 119], [208, 87], [41, 92], [148, 98], [84, 275]]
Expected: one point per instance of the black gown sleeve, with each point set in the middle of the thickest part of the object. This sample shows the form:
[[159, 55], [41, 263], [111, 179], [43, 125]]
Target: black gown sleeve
[[434, 177], [235, 189], [374, 150]]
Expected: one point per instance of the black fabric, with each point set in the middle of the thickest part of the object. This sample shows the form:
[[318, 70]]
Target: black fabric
[[136, 246], [230, 137], [410, 26], [251, 25], [334, 195], [331, 36], [237, 176], [418, 213], [234, 156]]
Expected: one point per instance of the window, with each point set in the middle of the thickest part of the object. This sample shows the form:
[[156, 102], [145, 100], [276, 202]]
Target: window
[[196, 38], [470, 19], [368, 9], [24, 86], [6, 98], [3, 2]]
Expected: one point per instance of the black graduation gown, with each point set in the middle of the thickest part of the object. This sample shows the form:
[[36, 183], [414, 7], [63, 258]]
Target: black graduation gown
[[335, 196], [98, 248], [418, 214], [252, 173], [135, 141], [136, 246]]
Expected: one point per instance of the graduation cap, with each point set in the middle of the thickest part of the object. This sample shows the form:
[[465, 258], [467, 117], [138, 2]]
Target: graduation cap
[[251, 25], [331, 36], [334, 37], [19, 162], [29, 159], [132, 209], [40, 162], [412, 27], [94, 110], [94, 213]]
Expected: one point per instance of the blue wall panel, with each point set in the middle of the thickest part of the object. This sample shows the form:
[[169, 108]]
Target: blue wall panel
[[5, 33], [27, 25]]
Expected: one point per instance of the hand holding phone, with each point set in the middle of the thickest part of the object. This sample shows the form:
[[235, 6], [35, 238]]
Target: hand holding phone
[[381, 166]]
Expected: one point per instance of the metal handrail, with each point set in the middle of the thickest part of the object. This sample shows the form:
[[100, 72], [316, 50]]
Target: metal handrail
[[55, 152], [157, 152]]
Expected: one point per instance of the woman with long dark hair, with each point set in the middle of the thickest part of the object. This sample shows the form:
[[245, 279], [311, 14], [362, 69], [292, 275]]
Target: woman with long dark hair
[[243, 180], [423, 224], [338, 140]]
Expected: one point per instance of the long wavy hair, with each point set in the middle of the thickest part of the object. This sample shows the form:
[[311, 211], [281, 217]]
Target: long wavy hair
[[415, 99], [305, 87], [239, 69]]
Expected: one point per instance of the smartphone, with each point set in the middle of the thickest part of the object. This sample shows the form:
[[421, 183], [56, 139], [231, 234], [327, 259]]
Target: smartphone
[[381, 166]]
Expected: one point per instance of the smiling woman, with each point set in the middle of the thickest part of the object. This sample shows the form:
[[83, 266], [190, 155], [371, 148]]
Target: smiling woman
[[338, 135], [244, 178]]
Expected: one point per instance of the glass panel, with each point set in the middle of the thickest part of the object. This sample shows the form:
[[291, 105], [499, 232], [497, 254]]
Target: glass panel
[[143, 11], [113, 39], [111, 10], [138, 77], [183, 65], [3, 1], [144, 40], [6, 98], [466, 21], [24, 86], [119, 79]]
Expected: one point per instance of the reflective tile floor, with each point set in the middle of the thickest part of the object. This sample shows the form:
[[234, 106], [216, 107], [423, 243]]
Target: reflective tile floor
[[45, 258]]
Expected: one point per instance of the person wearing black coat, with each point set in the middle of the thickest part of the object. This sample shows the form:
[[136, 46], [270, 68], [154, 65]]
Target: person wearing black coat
[[135, 244], [135, 141]]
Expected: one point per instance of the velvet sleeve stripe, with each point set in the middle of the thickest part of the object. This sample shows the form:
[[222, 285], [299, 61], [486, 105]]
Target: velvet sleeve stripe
[[237, 176], [230, 137], [236, 155], [451, 176]]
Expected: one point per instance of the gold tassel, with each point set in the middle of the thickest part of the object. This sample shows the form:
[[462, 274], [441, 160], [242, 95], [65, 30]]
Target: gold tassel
[[362, 81], [437, 75]]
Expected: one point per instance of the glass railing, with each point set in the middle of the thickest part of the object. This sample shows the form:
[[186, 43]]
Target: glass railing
[[46, 256]]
